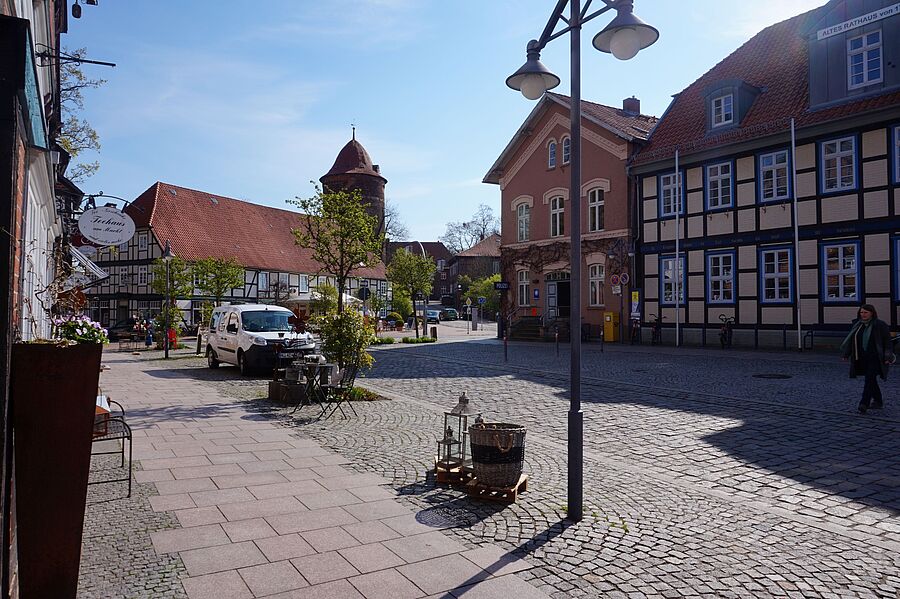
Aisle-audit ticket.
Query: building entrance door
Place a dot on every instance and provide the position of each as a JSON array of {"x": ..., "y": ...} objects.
[{"x": 563, "y": 298}]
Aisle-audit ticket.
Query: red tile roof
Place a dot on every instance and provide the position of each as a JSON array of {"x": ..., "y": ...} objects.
[
  {"x": 776, "y": 60},
  {"x": 628, "y": 126},
  {"x": 435, "y": 249},
  {"x": 622, "y": 123},
  {"x": 199, "y": 225},
  {"x": 489, "y": 246}
]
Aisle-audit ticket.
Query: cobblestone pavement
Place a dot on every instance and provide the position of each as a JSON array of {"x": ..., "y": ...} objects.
[{"x": 700, "y": 479}]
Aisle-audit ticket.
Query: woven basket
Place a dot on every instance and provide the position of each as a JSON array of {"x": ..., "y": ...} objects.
[{"x": 498, "y": 452}]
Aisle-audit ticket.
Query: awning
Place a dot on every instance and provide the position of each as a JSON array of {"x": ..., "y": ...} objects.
[{"x": 86, "y": 273}]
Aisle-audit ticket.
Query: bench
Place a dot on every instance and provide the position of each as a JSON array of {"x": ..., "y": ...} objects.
[{"x": 809, "y": 338}]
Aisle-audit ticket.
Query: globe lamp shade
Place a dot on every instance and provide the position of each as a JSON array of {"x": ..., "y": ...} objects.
[
  {"x": 626, "y": 35},
  {"x": 533, "y": 78}
]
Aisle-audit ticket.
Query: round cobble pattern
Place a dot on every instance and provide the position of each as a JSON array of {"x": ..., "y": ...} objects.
[{"x": 696, "y": 483}]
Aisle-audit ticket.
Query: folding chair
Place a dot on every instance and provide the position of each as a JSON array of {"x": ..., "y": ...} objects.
[{"x": 338, "y": 392}]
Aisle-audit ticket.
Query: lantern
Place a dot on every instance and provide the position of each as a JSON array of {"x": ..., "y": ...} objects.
[{"x": 453, "y": 461}]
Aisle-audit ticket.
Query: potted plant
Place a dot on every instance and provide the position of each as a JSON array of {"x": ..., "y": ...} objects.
[{"x": 53, "y": 388}]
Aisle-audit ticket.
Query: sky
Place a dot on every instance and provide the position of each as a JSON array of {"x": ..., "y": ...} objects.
[{"x": 254, "y": 100}]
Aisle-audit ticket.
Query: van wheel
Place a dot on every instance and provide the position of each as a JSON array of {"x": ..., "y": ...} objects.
[
  {"x": 242, "y": 364},
  {"x": 211, "y": 358}
]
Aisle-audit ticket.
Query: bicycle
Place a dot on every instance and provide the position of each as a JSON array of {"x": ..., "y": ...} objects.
[
  {"x": 635, "y": 331},
  {"x": 726, "y": 332},
  {"x": 656, "y": 329}
]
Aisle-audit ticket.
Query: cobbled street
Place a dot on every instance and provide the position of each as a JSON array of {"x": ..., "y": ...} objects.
[{"x": 707, "y": 473}]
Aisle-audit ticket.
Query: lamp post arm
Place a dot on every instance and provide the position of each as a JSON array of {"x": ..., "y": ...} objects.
[{"x": 558, "y": 15}]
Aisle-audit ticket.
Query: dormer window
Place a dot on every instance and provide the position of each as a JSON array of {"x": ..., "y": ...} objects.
[
  {"x": 723, "y": 110},
  {"x": 864, "y": 60}
]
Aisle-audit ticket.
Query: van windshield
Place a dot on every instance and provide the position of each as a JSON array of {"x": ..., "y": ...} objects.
[{"x": 265, "y": 321}]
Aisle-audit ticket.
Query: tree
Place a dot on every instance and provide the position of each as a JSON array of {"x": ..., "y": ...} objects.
[
  {"x": 217, "y": 276},
  {"x": 324, "y": 300},
  {"x": 401, "y": 304},
  {"x": 460, "y": 236},
  {"x": 412, "y": 273},
  {"x": 180, "y": 284},
  {"x": 76, "y": 134},
  {"x": 394, "y": 228},
  {"x": 484, "y": 288},
  {"x": 342, "y": 236}
]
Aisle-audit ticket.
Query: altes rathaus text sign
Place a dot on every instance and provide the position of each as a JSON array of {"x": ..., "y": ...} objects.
[{"x": 888, "y": 11}]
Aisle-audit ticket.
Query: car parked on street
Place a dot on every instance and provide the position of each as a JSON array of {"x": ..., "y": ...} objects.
[
  {"x": 449, "y": 314},
  {"x": 432, "y": 316}
]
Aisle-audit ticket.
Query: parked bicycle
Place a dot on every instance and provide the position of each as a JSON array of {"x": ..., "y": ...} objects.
[
  {"x": 635, "y": 331},
  {"x": 726, "y": 332},
  {"x": 656, "y": 329}
]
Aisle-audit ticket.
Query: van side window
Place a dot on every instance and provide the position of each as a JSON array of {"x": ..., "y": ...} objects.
[
  {"x": 215, "y": 320},
  {"x": 232, "y": 323}
]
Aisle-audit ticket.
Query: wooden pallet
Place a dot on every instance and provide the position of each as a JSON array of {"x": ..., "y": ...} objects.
[
  {"x": 453, "y": 476},
  {"x": 502, "y": 495}
]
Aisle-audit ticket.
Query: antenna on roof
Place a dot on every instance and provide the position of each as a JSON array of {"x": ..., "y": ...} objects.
[{"x": 353, "y": 128}]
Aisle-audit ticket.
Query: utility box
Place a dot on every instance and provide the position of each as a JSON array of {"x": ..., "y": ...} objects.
[
  {"x": 434, "y": 332},
  {"x": 611, "y": 326}
]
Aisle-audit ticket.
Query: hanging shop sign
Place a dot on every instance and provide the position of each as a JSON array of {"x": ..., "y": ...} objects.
[{"x": 106, "y": 225}]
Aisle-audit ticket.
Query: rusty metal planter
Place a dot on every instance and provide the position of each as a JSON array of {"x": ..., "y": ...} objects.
[{"x": 53, "y": 391}]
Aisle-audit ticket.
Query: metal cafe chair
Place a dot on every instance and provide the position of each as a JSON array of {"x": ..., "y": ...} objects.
[
  {"x": 338, "y": 392},
  {"x": 112, "y": 427}
]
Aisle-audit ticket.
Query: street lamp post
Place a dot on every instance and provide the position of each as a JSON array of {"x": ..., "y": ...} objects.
[
  {"x": 167, "y": 258},
  {"x": 623, "y": 38}
]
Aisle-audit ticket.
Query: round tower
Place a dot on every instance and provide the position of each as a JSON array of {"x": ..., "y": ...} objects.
[{"x": 353, "y": 169}]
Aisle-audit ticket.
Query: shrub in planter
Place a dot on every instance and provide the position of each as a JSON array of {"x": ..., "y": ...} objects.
[
  {"x": 418, "y": 340},
  {"x": 345, "y": 337},
  {"x": 394, "y": 316},
  {"x": 384, "y": 340}
]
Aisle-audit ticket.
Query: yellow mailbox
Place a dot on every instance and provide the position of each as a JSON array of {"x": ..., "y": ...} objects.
[{"x": 610, "y": 326}]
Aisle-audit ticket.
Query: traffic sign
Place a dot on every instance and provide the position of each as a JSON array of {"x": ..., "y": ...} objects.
[
  {"x": 501, "y": 286},
  {"x": 364, "y": 293},
  {"x": 624, "y": 278},
  {"x": 482, "y": 299},
  {"x": 468, "y": 301},
  {"x": 614, "y": 280},
  {"x": 617, "y": 289}
]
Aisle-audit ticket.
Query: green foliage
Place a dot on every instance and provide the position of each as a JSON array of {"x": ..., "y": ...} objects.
[
  {"x": 79, "y": 329},
  {"x": 206, "y": 310},
  {"x": 418, "y": 340},
  {"x": 345, "y": 337},
  {"x": 217, "y": 277},
  {"x": 181, "y": 278},
  {"x": 342, "y": 236},
  {"x": 324, "y": 300},
  {"x": 175, "y": 317},
  {"x": 484, "y": 288},
  {"x": 394, "y": 316},
  {"x": 401, "y": 304},
  {"x": 384, "y": 341},
  {"x": 412, "y": 273}
]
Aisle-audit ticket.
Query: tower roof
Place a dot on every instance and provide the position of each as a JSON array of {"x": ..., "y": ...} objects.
[{"x": 353, "y": 159}]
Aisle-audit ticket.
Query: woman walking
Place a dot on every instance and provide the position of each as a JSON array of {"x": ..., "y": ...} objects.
[{"x": 868, "y": 347}]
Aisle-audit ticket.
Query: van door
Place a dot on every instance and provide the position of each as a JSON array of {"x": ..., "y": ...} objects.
[{"x": 228, "y": 340}]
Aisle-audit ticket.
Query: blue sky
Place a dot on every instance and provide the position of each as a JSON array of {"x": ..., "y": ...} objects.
[{"x": 253, "y": 100}]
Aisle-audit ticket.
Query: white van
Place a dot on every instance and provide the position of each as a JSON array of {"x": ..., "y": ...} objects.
[{"x": 246, "y": 335}]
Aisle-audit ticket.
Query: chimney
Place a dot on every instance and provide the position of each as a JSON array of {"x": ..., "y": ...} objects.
[{"x": 631, "y": 106}]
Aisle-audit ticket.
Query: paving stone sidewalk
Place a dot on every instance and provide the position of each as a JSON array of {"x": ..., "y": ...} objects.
[{"x": 229, "y": 505}]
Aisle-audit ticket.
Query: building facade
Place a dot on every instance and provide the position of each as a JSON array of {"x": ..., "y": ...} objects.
[
  {"x": 201, "y": 225},
  {"x": 770, "y": 231},
  {"x": 534, "y": 178}
]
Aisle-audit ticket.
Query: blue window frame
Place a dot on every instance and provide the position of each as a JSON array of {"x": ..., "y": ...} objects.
[
  {"x": 720, "y": 269},
  {"x": 719, "y": 185},
  {"x": 670, "y": 193},
  {"x": 776, "y": 275},
  {"x": 840, "y": 276},
  {"x": 838, "y": 165},
  {"x": 667, "y": 278},
  {"x": 774, "y": 176}
]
